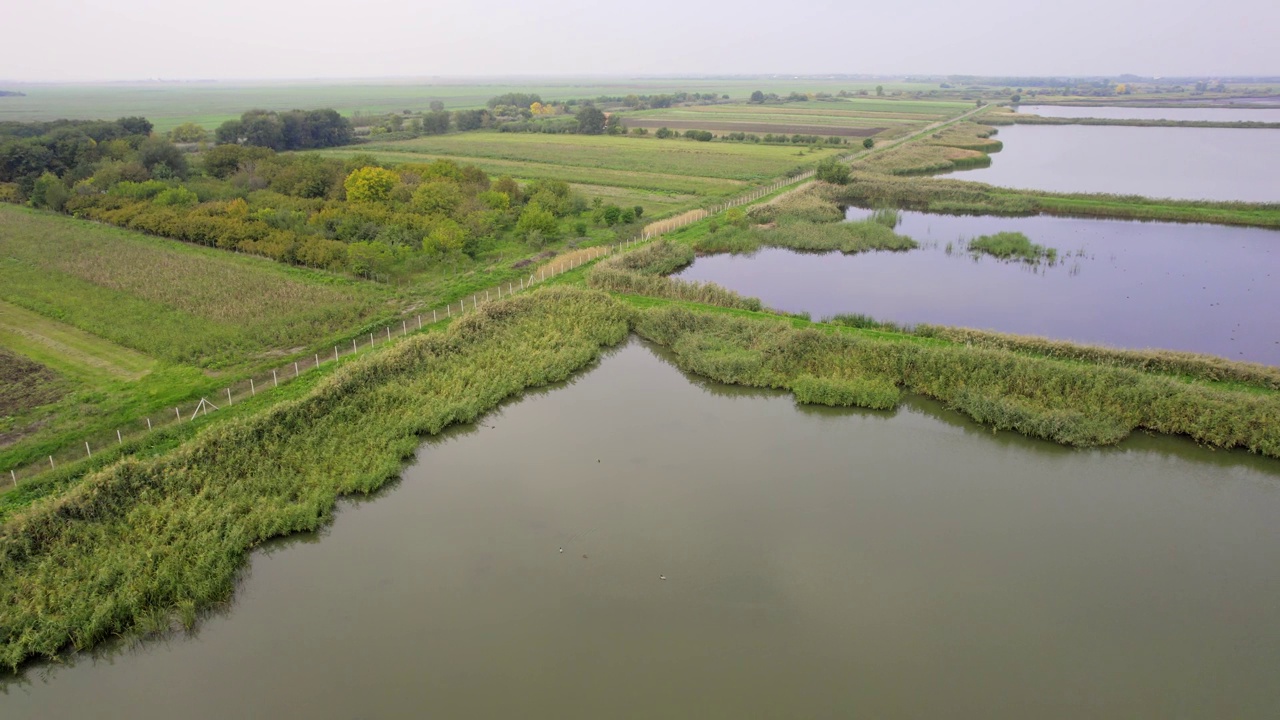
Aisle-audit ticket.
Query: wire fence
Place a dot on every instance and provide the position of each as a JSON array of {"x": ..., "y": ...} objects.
[{"x": 268, "y": 381}]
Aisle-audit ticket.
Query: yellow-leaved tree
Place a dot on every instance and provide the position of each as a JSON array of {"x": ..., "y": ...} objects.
[{"x": 370, "y": 185}]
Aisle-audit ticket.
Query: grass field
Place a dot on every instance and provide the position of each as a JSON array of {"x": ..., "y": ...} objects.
[
  {"x": 578, "y": 175},
  {"x": 732, "y": 161},
  {"x": 172, "y": 301}
]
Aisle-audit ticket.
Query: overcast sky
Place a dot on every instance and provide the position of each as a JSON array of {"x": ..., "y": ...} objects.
[{"x": 270, "y": 39}]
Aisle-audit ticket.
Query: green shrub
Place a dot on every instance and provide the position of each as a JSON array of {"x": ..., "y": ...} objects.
[{"x": 874, "y": 393}]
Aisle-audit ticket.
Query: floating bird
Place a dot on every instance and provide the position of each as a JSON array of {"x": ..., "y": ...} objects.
[
  {"x": 662, "y": 577},
  {"x": 561, "y": 549}
]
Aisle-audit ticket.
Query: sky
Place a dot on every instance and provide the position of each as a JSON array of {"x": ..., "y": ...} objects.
[{"x": 79, "y": 40}]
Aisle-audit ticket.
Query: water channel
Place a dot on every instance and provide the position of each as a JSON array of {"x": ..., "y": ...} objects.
[
  {"x": 1201, "y": 288},
  {"x": 817, "y": 563},
  {"x": 1158, "y": 162}
]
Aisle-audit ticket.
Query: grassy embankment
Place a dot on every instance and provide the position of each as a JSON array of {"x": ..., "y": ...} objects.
[
  {"x": 967, "y": 197},
  {"x": 954, "y": 147},
  {"x": 140, "y": 542},
  {"x": 806, "y": 222}
]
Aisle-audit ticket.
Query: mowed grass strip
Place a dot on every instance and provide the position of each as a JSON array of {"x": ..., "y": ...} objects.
[
  {"x": 524, "y": 170},
  {"x": 70, "y": 351},
  {"x": 170, "y": 300},
  {"x": 734, "y": 161}
]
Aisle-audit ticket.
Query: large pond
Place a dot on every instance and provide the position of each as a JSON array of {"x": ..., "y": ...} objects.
[
  {"x": 1202, "y": 288},
  {"x": 1175, "y": 162},
  {"x": 1215, "y": 114},
  {"x": 818, "y": 563}
]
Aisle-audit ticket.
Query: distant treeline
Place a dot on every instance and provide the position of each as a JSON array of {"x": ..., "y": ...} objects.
[
  {"x": 11, "y": 93},
  {"x": 292, "y": 130}
]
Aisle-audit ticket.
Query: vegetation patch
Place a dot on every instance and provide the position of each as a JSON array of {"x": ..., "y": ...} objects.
[
  {"x": 1013, "y": 246},
  {"x": 866, "y": 392}
]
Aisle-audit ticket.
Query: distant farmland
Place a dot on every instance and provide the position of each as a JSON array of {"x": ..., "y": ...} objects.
[
  {"x": 721, "y": 126},
  {"x": 841, "y": 118}
]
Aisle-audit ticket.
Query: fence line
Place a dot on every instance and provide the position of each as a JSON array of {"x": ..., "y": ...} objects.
[{"x": 247, "y": 388}]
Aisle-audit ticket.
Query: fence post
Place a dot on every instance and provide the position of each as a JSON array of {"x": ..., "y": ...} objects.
[
  {"x": 119, "y": 440},
  {"x": 404, "y": 327},
  {"x": 275, "y": 379},
  {"x": 252, "y": 391},
  {"x": 419, "y": 322},
  {"x": 317, "y": 363},
  {"x": 335, "y": 353},
  {"x": 148, "y": 424},
  {"x": 295, "y": 369},
  {"x": 370, "y": 341},
  {"x": 178, "y": 412},
  {"x": 228, "y": 397},
  {"x": 433, "y": 316},
  {"x": 14, "y": 477},
  {"x": 51, "y": 465},
  {"x": 388, "y": 333},
  {"x": 86, "y": 449}
]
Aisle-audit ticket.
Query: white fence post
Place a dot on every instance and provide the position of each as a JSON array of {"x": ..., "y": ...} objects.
[
  {"x": 253, "y": 390},
  {"x": 148, "y": 424},
  {"x": 119, "y": 440},
  {"x": 228, "y": 397},
  {"x": 86, "y": 449},
  {"x": 295, "y": 369},
  {"x": 275, "y": 379}
]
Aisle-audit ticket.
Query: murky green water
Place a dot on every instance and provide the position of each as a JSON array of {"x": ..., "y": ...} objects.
[{"x": 818, "y": 563}]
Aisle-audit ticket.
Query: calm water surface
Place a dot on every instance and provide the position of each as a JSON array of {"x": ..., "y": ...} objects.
[
  {"x": 819, "y": 564},
  {"x": 1216, "y": 114},
  {"x": 1186, "y": 163},
  {"x": 1203, "y": 288}
]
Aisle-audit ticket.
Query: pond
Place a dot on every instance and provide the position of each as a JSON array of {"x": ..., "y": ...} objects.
[
  {"x": 1173, "y": 162},
  {"x": 1214, "y": 114},
  {"x": 1202, "y": 288},
  {"x": 818, "y": 563}
]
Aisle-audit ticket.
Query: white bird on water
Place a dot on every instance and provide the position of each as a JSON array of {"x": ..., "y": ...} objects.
[
  {"x": 662, "y": 577},
  {"x": 561, "y": 549}
]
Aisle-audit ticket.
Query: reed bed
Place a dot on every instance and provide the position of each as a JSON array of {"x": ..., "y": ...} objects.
[
  {"x": 1191, "y": 365},
  {"x": 1073, "y": 403},
  {"x": 1011, "y": 246},
  {"x": 144, "y": 541}
]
